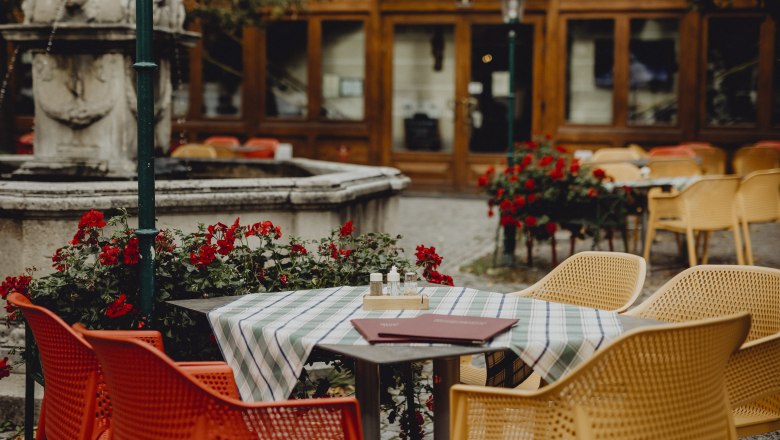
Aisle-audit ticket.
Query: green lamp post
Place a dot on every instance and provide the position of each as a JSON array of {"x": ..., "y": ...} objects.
[
  {"x": 146, "y": 232},
  {"x": 511, "y": 10}
]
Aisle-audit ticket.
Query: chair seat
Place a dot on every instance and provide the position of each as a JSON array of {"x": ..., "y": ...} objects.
[{"x": 755, "y": 422}]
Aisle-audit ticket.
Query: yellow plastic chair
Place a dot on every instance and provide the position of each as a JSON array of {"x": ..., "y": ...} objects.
[
  {"x": 758, "y": 201},
  {"x": 620, "y": 171},
  {"x": 754, "y": 158},
  {"x": 717, "y": 290},
  {"x": 600, "y": 280},
  {"x": 671, "y": 166},
  {"x": 713, "y": 159},
  {"x": 705, "y": 206},
  {"x": 656, "y": 382},
  {"x": 195, "y": 150},
  {"x": 638, "y": 150},
  {"x": 615, "y": 155}
]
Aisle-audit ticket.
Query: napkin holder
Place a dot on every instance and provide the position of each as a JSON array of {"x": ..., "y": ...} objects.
[{"x": 400, "y": 302}]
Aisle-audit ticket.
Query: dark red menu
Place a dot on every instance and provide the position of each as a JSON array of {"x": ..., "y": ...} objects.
[{"x": 433, "y": 328}]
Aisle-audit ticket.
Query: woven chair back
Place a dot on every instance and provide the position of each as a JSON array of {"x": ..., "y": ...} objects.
[
  {"x": 715, "y": 290},
  {"x": 195, "y": 150},
  {"x": 673, "y": 167},
  {"x": 601, "y": 280},
  {"x": 654, "y": 382},
  {"x": 620, "y": 171},
  {"x": 758, "y": 196},
  {"x": 152, "y": 397},
  {"x": 70, "y": 370},
  {"x": 754, "y": 158},
  {"x": 615, "y": 155}
]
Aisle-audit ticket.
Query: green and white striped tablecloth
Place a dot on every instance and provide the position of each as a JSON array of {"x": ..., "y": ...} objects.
[{"x": 267, "y": 337}]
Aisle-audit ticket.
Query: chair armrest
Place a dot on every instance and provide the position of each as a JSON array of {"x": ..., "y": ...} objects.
[
  {"x": 217, "y": 376},
  {"x": 528, "y": 292},
  {"x": 152, "y": 337}
]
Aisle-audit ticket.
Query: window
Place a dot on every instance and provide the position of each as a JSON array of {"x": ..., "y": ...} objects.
[
  {"x": 223, "y": 72},
  {"x": 732, "y": 70},
  {"x": 654, "y": 48},
  {"x": 287, "y": 70},
  {"x": 589, "y": 77},
  {"x": 180, "y": 81},
  {"x": 343, "y": 69},
  {"x": 24, "y": 100}
]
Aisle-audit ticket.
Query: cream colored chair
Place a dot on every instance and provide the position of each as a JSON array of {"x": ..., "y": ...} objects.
[
  {"x": 657, "y": 382},
  {"x": 758, "y": 201},
  {"x": 704, "y": 206},
  {"x": 713, "y": 159},
  {"x": 755, "y": 157},
  {"x": 620, "y": 171},
  {"x": 670, "y": 166},
  {"x": 599, "y": 280},
  {"x": 707, "y": 291},
  {"x": 614, "y": 155},
  {"x": 194, "y": 150},
  {"x": 638, "y": 150}
]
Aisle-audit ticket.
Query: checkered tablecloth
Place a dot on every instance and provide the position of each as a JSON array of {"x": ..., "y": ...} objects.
[{"x": 267, "y": 337}]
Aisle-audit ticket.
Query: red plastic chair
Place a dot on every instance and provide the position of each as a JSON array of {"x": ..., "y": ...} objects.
[
  {"x": 261, "y": 148},
  {"x": 153, "y": 398},
  {"x": 676, "y": 151},
  {"x": 76, "y": 403}
]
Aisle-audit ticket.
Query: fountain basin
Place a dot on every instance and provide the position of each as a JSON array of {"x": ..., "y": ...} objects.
[{"x": 38, "y": 217}]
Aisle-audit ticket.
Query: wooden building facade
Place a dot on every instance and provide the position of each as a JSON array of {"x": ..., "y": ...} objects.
[{"x": 422, "y": 85}]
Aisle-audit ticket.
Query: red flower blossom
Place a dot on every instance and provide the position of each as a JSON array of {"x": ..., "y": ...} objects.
[
  {"x": 427, "y": 257},
  {"x": 527, "y": 159},
  {"x": 491, "y": 169},
  {"x": 519, "y": 202},
  {"x": 560, "y": 148},
  {"x": 506, "y": 205},
  {"x": 513, "y": 178},
  {"x": 556, "y": 174},
  {"x": 599, "y": 173},
  {"x": 5, "y": 368},
  {"x": 163, "y": 242},
  {"x": 530, "y": 221},
  {"x": 19, "y": 283},
  {"x": 490, "y": 212},
  {"x": 205, "y": 255},
  {"x": 109, "y": 256},
  {"x": 531, "y": 198},
  {"x": 507, "y": 220},
  {"x": 297, "y": 249},
  {"x": 499, "y": 193},
  {"x": 263, "y": 229},
  {"x": 429, "y": 402},
  {"x": 593, "y": 192},
  {"x": 347, "y": 229},
  {"x": 482, "y": 181},
  {"x": 530, "y": 184},
  {"x": 59, "y": 257},
  {"x": 546, "y": 160},
  {"x": 86, "y": 233},
  {"x": 284, "y": 280},
  {"x": 131, "y": 254},
  {"x": 551, "y": 228},
  {"x": 574, "y": 168},
  {"x": 119, "y": 308}
]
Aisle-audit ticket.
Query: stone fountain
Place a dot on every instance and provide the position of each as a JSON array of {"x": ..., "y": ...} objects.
[{"x": 85, "y": 145}]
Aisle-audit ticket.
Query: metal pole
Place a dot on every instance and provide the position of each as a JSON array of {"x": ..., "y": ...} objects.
[
  {"x": 146, "y": 232},
  {"x": 510, "y": 111}
]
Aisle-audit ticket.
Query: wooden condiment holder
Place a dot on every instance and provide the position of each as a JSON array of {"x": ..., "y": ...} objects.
[{"x": 400, "y": 302}]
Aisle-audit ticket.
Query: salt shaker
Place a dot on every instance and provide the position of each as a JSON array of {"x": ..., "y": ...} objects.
[
  {"x": 393, "y": 282},
  {"x": 410, "y": 283},
  {"x": 375, "y": 284}
]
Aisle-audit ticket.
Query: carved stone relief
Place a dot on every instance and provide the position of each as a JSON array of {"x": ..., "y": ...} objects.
[{"x": 166, "y": 13}]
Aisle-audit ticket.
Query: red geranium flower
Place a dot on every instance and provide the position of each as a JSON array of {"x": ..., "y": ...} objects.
[
  {"x": 593, "y": 192},
  {"x": 5, "y": 368},
  {"x": 507, "y": 220},
  {"x": 574, "y": 168},
  {"x": 297, "y": 249},
  {"x": 90, "y": 221},
  {"x": 599, "y": 173},
  {"x": 546, "y": 160},
  {"x": 519, "y": 202},
  {"x": 203, "y": 257},
  {"x": 109, "y": 255},
  {"x": 347, "y": 229},
  {"x": 551, "y": 228},
  {"x": 530, "y": 184},
  {"x": 119, "y": 307},
  {"x": 530, "y": 221},
  {"x": 482, "y": 181},
  {"x": 131, "y": 254},
  {"x": 59, "y": 257}
]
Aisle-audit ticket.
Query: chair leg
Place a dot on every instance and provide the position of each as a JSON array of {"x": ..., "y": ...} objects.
[
  {"x": 748, "y": 246},
  {"x": 737, "y": 242},
  {"x": 648, "y": 240},
  {"x": 705, "y": 254},
  {"x": 691, "y": 247}
]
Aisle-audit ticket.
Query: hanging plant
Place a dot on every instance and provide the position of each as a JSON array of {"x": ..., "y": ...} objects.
[{"x": 232, "y": 15}]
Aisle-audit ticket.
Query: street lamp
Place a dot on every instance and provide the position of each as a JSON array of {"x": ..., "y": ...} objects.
[{"x": 511, "y": 10}]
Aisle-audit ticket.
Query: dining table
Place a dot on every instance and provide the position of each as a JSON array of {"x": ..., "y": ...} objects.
[{"x": 267, "y": 338}]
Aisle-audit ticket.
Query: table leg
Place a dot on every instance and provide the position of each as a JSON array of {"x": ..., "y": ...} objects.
[
  {"x": 446, "y": 373},
  {"x": 367, "y": 394}
]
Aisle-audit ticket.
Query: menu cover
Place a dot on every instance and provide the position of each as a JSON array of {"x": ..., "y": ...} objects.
[
  {"x": 433, "y": 328},
  {"x": 370, "y": 328}
]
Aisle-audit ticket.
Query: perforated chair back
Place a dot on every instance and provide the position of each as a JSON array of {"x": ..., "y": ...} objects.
[
  {"x": 716, "y": 290},
  {"x": 755, "y": 158},
  {"x": 601, "y": 280},
  {"x": 620, "y": 171},
  {"x": 673, "y": 167},
  {"x": 70, "y": 370},
  {"x": 713, "y": 159},
  {"x": 638, "y": 150},
  {"x": 758, "y": 201},
  {"x": 154, "y": 398},
  {"x": 195, "y": 150},
  {"x": 653, "y": 382},
  {"x": 615, "y": 155}
]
